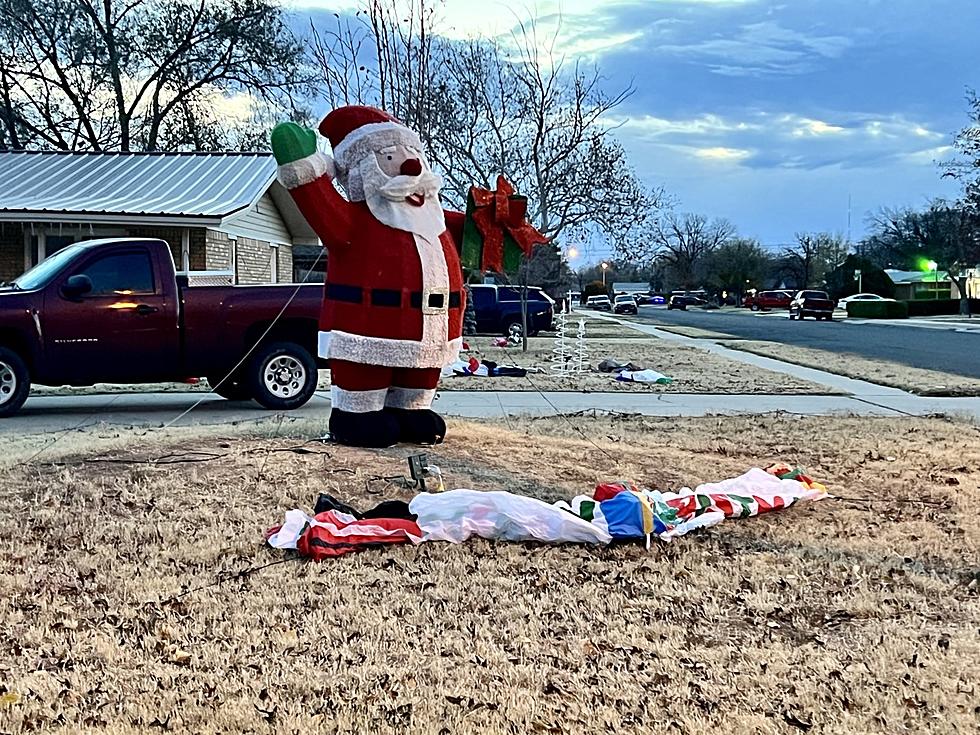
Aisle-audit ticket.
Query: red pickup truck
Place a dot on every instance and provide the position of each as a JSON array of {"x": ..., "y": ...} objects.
[
  {"x": 765, "y": 300},
  {"x": 113, "y": 311}
]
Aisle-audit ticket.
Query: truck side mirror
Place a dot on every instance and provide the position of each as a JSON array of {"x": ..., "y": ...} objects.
[{"x": 77, "y": 286}]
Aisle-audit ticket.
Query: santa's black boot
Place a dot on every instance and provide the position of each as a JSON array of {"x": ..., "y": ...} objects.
[
  {"x": 371, "y": 429},
  {"x": 418, "y": 426}
]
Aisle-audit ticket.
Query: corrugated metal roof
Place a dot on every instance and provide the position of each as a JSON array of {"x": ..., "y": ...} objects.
[
  {"x": 175, "y": 184},
  {"x": 898, "y": 276}
]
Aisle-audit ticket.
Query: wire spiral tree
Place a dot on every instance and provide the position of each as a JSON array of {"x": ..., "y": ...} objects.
[
  {"x": 561, "y": 353},
  {"x": 580, "y": 360}
]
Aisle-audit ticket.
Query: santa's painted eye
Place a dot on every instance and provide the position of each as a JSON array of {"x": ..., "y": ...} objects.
[{"x": 389, "y": 158}]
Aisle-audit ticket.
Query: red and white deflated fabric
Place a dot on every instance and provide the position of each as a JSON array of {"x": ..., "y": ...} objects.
[{"x": 333, "y": 533}]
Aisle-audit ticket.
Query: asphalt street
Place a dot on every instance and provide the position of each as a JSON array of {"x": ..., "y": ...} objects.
[{"x": 946, "y": 349}]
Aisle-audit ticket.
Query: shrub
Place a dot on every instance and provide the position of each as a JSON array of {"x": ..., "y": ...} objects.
[
  {"x": 878, "y": 309},
  {"x": 937, "y": 307}
]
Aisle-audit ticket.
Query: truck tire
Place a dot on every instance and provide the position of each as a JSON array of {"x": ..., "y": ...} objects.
[
  {"x": 282, "y": 376},
  {"x": 234, "y": 387},
  {"x": 15, "y": 382},
  {"x": 754, "y": 307}
]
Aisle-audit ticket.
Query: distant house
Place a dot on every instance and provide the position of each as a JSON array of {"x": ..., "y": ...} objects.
[
  {"x": 912, "y": 285},
  {"x": 630, "y": 287},
  {"x": 220, "y": 212}
]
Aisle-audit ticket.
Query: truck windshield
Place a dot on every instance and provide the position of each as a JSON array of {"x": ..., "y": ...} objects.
[{"x": 43, "y": 272}]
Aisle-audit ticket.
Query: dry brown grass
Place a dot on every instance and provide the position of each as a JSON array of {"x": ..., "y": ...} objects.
[
  {"x": 883, "y": 372},
  {"x": 853, "y": 616},
  {"x": 693, "y": 370}
]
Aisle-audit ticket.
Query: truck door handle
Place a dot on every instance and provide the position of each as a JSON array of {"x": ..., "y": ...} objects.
[{"x": 144, "y": 309}]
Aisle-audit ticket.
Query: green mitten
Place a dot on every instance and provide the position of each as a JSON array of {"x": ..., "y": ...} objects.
[{"x": 291, "y": 142}]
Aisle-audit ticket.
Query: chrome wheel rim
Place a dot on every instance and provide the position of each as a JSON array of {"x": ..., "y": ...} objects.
[
  {"x": 284, "y": 376},
  {"x": 8, "y": 383}
]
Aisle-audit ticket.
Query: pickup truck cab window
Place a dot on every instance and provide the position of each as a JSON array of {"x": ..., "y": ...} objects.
[
  {"x": 482, "y": 296},
  {"x": 120, "y": 273}
]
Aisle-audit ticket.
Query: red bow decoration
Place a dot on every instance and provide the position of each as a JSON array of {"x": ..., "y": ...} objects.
[{"x": 499, "y": 213}]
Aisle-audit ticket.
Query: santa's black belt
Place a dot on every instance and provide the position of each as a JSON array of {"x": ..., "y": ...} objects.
[{"x": 389, "y": 297}]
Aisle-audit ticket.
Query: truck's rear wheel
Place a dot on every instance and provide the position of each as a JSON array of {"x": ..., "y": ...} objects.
[
  {"x": 15, "y": 382},
  {"x": 282, "y": 376},
  {"x": 233, "y": 388}
]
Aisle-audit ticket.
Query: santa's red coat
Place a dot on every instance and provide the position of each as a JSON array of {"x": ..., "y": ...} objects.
[{"x": 391, "y": 297}]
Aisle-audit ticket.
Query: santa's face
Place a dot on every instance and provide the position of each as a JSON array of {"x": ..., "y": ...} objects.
[{"x": 401, "y": 190}]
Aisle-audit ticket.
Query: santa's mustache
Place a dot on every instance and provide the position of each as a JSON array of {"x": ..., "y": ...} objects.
[{"x": 396, "y": 188}]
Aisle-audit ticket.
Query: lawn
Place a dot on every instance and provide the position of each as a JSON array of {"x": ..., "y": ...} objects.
[{"x": 855, "y": 615}]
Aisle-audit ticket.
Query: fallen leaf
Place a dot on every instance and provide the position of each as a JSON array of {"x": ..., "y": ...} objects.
[
  {"x": 9, "y": 699},
  {"x": 180, "y": 657}
]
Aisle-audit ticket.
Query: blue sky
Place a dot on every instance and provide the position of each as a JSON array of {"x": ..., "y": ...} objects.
[{"x": 771, "y": 114}]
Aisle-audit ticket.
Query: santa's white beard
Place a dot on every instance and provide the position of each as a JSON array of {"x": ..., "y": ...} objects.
[{"x": 386, "y": 198}]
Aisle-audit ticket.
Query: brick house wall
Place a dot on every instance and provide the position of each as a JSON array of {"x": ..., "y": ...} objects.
[
  {"x": 285, "y": 264},
  {"x": 219, "y": 249},
  {"x": 172, "y": 235},
  {"x": 11, "y": 250}
]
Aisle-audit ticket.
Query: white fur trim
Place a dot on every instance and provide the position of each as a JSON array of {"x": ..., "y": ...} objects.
[
  {"x": 407, "y": 353},
  {"x": 372, "y": 137},
  {"x": 410, "y": 398},
  {"x": 357, "y": 401},
  {"x": 306, "y": 170}
]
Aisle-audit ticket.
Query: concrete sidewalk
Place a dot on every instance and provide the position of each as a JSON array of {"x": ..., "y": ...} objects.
[{"x": 153, "y": 410}]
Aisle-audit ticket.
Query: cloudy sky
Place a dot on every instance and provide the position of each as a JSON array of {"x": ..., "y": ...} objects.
[{"x": 771, "y": 114}]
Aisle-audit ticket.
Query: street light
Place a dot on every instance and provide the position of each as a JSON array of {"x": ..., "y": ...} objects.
[
  {"x": 605, "y": 265},
  {"x": 931, "y": 265}
]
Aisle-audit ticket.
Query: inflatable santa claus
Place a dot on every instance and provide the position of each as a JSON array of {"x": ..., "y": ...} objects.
[{"x": 393, "y": 298}]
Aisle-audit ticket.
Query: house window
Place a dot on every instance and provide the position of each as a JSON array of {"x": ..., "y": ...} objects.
[
  {"x": 46, "y": 242},
  {"x": 274, "y": 264}
]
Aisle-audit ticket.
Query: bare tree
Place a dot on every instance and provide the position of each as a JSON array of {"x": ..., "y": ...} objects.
[
  {"x": 682, "y": 244},
  {"x": 813, "y": 257},
  {"x": 483, "y": 109},
  {"x": 142, "y": 74},
  {"x": 966, "y": 167}
]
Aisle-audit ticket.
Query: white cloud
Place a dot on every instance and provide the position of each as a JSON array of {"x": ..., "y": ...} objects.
[
  {"x": 764, "y": 48},
  {"x": 721, "y": 153}
]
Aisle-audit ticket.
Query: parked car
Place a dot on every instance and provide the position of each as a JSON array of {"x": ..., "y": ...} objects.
[
  {"x": 682, "y": 302},
  {"x": 113, "y": 311},
  {"x": 842, "y": 304},
  {"x": 811, "y": 303},
  {"x": 659, "y": 300},
  {"x": 600, "y": 303},
  {"x": 625, "y": 304},
  {"x": 766, "y": 300},
  {"x": 498, "y": 310}
]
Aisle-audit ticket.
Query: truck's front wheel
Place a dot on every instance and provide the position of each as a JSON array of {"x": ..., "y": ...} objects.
[
  {"x": 282, "y": 376},
  {"x": 15, "y": 382}
]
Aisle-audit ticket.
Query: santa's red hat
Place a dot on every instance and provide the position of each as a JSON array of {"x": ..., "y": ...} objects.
[{"x": 356, "y": 130}]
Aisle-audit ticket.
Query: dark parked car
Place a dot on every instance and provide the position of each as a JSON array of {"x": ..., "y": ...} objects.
[
  {"x": 811, "y": 303},
  {"x": 624, "y": 304},
  {"x": 765, "y": 300},
  {"x": 112, "y": 311},
  {"x": 682, "y": 302},
  {"x": 498, "y": 309}
]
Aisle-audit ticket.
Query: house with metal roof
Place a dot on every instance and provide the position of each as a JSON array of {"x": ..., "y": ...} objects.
[
  {"x": 224, "y": 214},
  {"x": 911, "y": 285}
]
